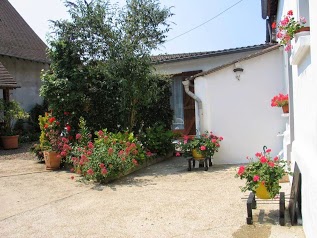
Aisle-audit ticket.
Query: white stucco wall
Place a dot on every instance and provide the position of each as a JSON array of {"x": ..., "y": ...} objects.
[
  {"x": 27, "y": 74},
  {"x": 198, "y": 64},
  {"x": 241, "y": 111},
  {"x": 304, "y": 146}
]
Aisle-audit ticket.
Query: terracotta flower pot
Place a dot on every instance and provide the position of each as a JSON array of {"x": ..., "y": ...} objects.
[
  {"x": 285, "y": 108},
  {"x": 10, "y": 142},
  {"x": 52, "y": 160}
]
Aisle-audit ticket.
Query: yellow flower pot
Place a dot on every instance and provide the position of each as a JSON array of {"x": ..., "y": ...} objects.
[
  {"x": 198, "y": 154},
  {"x": 261, "y": 192}
]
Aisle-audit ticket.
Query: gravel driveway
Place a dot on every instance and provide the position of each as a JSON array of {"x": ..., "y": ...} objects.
[{"x": 163, "y": 200}]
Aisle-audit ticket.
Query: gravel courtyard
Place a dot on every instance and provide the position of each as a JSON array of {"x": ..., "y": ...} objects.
[{"x": 163, "y": 200}]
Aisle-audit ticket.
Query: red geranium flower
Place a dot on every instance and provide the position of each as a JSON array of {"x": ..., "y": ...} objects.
[{"x": 51, "y": 120}]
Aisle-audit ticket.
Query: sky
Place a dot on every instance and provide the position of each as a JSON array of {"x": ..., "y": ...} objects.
[{"x": 241, "y": 25}]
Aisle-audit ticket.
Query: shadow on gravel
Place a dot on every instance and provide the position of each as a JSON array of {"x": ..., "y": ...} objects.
[{"x": 172, "y": 166}]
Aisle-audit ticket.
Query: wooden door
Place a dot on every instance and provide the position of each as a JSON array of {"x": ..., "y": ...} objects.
[{"x": 189, "y": 105}]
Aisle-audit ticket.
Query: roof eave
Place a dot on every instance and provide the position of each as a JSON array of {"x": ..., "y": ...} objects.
[{"x": 267, "y": 50}]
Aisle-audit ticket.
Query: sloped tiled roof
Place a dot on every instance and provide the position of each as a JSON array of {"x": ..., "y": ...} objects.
[
  {"x": 253, "y": 55},
  {"x": 6, "y": 80},
  {"x": 168, "y": 58},
  {"x": 17, "y": 39}
]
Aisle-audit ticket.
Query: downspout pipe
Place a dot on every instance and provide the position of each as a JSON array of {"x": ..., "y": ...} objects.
[{"x": 186, "y": 84}]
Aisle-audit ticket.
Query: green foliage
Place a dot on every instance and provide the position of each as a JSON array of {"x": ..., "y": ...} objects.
[
  {"x": 29, "y": 130},
  {"x": 43, "y": 120},
  {"x": 157, "y": 139},
  {"x": 9, "y": 112},
  {"x": 100, "y": 63}
]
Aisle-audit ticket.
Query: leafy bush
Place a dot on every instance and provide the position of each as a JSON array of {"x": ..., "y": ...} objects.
[
  {"x": 101, "y": 67},
  {"x": 157, "y": 139}
]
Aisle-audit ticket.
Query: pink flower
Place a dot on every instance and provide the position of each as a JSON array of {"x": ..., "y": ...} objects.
[
  {"x": 279, "y": 35},
  {"x": 220, "y": 138},
  {"x": 213, "y": 140},
  {"x": 268, "y": 150},
  {"x": 72, "y": 170},
  {"x": 104, "y": 171},
  {"x": 271, "y": 164},
  {"x": 102, "y": 165},
  {"x": 241, "y": 170},
  {"x": 202, "y": 148},
  {"x": 90, "y": 145},
  {"x": 258, "y": 154},
  {"x": 149, "y": 153},
  {"x": 290, "y": 13},
  {"x": 89, "y": 153},
  {"x": 275, "y": 158},
  {"x": 263, "y": 159},
  {"x": 288, "y": 47},
  {"x": 63, "y": 153},
  {"x": 78, "y": 136},
  {"x": 186, "y": 137},
  {"x": 121, "y": 152},
  {"x": 67, "y": 127},
  {"x": 178, "y": 154},
  {"x": 110, "y": 151},
  {"x": 185, "y": 141},
  {"x": 302, "y": 20},
  {"x": 90, "y": 171},
  {"x": 256, "y": 178},
  {"x": 100, "y": 133},
  {"x": 134, "y": 162}
]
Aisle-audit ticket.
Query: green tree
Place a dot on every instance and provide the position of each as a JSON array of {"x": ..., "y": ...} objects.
[{"x": 100, "y": 62}]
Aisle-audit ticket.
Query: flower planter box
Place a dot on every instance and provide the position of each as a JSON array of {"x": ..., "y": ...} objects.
[{"x": 148, "y": 162}]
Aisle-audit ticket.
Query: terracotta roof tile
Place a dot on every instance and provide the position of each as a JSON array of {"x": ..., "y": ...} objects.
[
  {"x": 17, "y": 39},
  {"x": 168, "y": 58},
  {"x": 6, "y": 80}
]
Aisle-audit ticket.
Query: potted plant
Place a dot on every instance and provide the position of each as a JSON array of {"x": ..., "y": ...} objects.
[
  {"x": 280, "y": 100},
  {"x": 200, "y": 147},
  {"x": 51, "y": 141},
  {"x": 288, "y": 27},
  {"x": 263, "y": 174},
  {"x": 10, "y": 111}
]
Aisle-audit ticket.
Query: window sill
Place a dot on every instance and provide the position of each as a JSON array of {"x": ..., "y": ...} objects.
[{"x": 300, "y": 49}]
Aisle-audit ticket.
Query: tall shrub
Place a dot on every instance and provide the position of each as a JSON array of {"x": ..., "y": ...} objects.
[{"x": 100, "y": 62}]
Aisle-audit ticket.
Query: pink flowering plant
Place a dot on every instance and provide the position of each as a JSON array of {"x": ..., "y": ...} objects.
[
  {"x": 287, "y": 29},
  {"x": 264, "y": 169},
  {"x": 106, "y": 157},
  {"x": 279, "y": 100},
  {"x": 207, "y": 144}
]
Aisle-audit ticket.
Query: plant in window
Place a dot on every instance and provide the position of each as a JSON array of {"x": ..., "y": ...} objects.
[{"x": 287, "y": 29}]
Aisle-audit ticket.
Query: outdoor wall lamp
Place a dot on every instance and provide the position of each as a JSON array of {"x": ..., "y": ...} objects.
[{"x": 238, "y": 70}]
